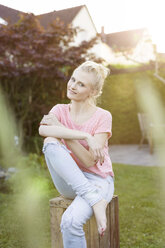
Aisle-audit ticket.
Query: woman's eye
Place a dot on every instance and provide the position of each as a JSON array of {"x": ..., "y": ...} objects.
[
  {"x": 72, "y": 79},
  {"x": 81, "y": 84}
]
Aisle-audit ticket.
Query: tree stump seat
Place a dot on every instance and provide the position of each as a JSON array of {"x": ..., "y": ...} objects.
[{"x": 111, "y": 237}]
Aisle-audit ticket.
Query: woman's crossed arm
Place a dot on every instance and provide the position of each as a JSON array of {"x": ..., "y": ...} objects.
[{"x": 51, "y": 127}]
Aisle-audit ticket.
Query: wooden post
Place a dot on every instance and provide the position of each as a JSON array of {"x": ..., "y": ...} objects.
[{"x": 111, "y": 237}]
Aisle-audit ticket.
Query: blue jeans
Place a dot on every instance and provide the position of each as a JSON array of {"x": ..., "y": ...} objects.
[{"x": 85, "y": 188}]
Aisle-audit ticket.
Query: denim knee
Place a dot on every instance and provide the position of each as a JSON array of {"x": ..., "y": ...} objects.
[
  {"x": 49, "y": 145},
  {"x": 69, "y": 223}
]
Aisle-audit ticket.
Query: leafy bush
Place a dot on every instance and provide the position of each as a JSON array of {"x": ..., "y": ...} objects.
[{"x": 121, "y": 99}]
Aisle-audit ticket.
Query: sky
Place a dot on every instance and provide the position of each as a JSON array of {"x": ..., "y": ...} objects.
[{"x": 114, "y": 15}]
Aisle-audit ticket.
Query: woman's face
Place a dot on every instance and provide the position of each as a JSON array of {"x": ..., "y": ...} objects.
[{"x": 79, "y": 86}]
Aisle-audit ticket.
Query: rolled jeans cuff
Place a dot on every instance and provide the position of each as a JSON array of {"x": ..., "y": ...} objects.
[{"x": 93, "y": 197}]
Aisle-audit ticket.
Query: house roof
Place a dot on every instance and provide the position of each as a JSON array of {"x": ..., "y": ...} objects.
[
  {"x": 9, "y": 14},
  {"x": 125, "y": 39},
  {"x": 66, "y": 15}
]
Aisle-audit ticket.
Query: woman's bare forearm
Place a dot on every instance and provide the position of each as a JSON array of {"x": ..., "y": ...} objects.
[
  {"x": 62, "y": 132},
  {"x": 83, "y": 154}
]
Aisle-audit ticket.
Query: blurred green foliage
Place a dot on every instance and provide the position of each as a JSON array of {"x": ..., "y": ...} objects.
[
  {"x": 25, "y": 189},
  {"x": 24, "y": 208}
]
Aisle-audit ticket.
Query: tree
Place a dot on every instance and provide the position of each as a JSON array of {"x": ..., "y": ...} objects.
[{"x": 35, "y": 65}]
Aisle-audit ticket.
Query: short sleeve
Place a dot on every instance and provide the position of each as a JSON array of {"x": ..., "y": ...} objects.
[
  {"x": 105, "y": 124},
  {"x": 56, "y": 110}
]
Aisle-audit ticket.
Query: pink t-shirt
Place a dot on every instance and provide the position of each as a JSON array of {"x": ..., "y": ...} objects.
[{"x": 100, "y": 121}]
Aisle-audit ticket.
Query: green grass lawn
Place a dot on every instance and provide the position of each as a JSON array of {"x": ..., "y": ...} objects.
[
  {"x": 141, "y": 210},
  {"x": 141, "y": 207}
]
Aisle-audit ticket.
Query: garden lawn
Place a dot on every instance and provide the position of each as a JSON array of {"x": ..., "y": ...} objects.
[
  {"x": 141, "y": 207},
  {"x": 141, "y": 210}
]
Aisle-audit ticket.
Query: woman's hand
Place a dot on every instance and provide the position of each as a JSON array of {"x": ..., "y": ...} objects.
[
  {"x": 96, "y": 149},
  {"x": 49, "y": 119}
]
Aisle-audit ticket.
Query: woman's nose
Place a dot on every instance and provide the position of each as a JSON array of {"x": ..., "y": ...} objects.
[{"x": 73, "y": 85}]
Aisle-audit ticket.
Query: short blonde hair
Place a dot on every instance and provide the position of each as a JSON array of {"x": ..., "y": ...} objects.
[{"x": 100, "y": 73}]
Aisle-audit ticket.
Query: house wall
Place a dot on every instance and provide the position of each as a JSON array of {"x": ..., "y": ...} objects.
[
  {"x": 102, "y": 50},
  {"x": 84, "y": 21},
  {"x": 2, "y": 21},
  {"x": 144, "y": 51}
]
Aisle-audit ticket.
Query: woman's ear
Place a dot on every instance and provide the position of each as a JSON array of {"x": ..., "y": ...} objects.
[{"x": 93, "y": 92}]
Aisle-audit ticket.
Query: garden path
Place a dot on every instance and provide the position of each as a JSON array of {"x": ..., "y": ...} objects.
[{"x": 130, "y": 154}]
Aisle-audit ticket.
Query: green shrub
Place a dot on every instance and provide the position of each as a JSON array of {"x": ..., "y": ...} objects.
[{"x": 120, "y": 98}]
